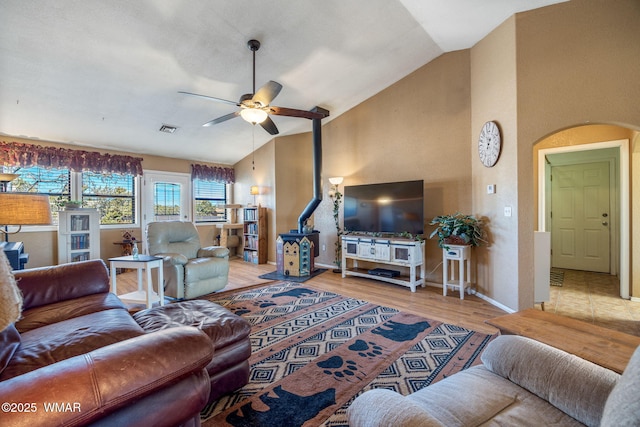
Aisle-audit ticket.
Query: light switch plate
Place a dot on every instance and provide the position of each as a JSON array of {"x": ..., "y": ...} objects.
[{"x": 491, "y": 189}]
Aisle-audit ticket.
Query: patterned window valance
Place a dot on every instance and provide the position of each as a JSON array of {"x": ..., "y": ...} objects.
[
  {"x": 26, "y": 155},
  {"x": 213, "y": 173}
]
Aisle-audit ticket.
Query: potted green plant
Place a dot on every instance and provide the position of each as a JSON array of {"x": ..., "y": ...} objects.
[
  {"x": 72, "y": 204},
  {"x": 458, "y": 229}
]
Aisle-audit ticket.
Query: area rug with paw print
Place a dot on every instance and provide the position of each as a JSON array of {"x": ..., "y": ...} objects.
[{"x": 314, "y": 351}]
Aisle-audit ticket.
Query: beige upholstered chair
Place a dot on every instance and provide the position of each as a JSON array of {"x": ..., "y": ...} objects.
[{"x": 189, "y": 270}]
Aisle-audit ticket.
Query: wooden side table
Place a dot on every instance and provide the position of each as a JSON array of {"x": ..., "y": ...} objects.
[
  {"x": 461, "y": 254},
  {"x": 142, "y": 263}
]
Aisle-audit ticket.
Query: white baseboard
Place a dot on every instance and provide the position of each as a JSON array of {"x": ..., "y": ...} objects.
[
  {"x": 495, "y": 303},
  {"x": 479, "y": 295},
  {"x": 473, "y": 292},
  {"x": 329, "y": 266}
]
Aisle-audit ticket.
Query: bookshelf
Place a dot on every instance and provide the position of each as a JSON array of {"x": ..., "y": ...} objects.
[
  {"x": 254, "y": 234},
  {"x": 78, "y": 235}
]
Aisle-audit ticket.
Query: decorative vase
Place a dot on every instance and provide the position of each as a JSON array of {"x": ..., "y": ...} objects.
[{"x": 134, "y": 251}]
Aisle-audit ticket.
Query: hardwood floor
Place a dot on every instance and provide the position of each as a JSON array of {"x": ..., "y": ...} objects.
[
  {"x": 427, "y": 302},
  {"x": 591, "y": 297}
]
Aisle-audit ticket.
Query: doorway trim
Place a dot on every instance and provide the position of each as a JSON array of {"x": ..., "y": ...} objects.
[
  {"x": 149, "y": 176},
  {"x": 623, "y": 191}
]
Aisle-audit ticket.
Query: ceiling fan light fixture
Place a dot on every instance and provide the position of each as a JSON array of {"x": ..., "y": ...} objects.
[{"x": 253, "y": 115}]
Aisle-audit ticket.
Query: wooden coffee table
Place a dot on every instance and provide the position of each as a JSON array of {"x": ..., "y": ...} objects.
[{"x": 602, "y": 346}]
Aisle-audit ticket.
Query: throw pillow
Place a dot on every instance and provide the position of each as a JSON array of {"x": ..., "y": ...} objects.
[
  {"x": 10, "y": 296},
  {"x": 10, "y": 310}
]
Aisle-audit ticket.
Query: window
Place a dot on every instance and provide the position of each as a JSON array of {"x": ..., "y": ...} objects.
[
  {"x": 112, "y": 194},
  {"x": 54, "y": 182},
  {"x": 210, "y": 197},
  {"x": 167, "y": 201}
]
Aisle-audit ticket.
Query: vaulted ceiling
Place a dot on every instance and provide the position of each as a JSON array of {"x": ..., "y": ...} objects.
[{"x": 106, "y": 74}]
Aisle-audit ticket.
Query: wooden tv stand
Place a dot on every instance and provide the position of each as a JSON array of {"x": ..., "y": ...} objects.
[
  {"x": 384, "y": 250},
  {"x": 602, "y": 346}
]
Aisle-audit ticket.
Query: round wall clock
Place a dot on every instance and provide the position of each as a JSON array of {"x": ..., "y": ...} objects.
[{"x": 489, "y": 144}]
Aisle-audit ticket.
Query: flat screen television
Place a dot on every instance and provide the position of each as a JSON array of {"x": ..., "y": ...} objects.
[{"x": 392, "y": 207}]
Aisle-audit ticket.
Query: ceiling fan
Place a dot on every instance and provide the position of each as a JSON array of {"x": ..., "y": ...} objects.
[{"x": 255, "y": 107}]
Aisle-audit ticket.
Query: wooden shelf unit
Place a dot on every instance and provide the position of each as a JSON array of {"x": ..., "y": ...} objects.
[{"x": 254, "y": 234}]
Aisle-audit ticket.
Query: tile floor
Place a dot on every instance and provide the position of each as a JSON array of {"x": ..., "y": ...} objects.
[{"x": 594, "y": 298}]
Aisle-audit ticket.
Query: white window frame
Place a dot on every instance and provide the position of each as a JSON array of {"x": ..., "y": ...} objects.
[{"x": 75, "y": 179}]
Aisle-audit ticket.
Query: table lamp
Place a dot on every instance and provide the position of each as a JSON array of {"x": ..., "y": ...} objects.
[{"x": 20, "y": 209}]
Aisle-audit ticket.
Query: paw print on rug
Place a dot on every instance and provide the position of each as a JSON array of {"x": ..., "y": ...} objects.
[
  {"x": 239, "y": 311},
  {"x": 340, "y": 369},
  {"x": 264, "y": 303},
  {"x": 366, "y": 349}
]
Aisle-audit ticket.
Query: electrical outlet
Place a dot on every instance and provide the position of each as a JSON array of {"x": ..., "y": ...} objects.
[
  {"x": 507, "y": 211},
  {"x": 324, "y": 247}
]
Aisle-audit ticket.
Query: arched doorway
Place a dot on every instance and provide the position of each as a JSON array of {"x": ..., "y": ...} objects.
[{"x": 581, "y": 145}]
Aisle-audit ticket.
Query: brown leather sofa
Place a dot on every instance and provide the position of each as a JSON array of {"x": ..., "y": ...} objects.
[
  {"x": 77, "y": 357},
  {"x": 229, "y": 368}
]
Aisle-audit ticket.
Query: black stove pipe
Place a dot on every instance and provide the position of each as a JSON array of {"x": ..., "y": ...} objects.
[{"x": 317, "y": 171}]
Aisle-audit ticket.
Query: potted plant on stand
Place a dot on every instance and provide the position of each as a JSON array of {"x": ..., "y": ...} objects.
[
  {"x": 463, "y": 231},
  {"x": 458, "y": 229}
]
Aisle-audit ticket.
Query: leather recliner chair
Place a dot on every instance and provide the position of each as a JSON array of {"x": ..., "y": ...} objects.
[{"x": 189, "y": 270}]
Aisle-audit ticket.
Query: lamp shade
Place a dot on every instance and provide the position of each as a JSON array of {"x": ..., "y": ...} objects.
[
  {"x": 8, "y": 177},
  {"x": 253, "y": 115},
  {"x": 336, "y": 180},
  {"x": 24, "y": 209},
  {"x": 254, "y": 190},
  {"x": 5, "y": 179}
]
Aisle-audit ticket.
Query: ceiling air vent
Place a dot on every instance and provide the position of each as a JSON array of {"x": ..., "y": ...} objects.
[{"x": 168, "y": 128}]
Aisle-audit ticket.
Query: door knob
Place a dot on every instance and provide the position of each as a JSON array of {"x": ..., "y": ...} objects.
[{"x": 605, "y": 223}]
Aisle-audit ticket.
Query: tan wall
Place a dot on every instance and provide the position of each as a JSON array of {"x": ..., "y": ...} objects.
[
  {"x": 575, "y": 65},
  {"x": 493, "y": 98},
  {"x": 417, "y": 128},
  {"x": 42, "y": 246},
  {"x": 635, "y": 216}
]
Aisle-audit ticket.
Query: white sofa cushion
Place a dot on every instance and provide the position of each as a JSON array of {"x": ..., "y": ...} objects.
[
  {"x": 522, "y": 383},
  {"x": 573, "y": 385},
  {"x": 623, "y": 407}
]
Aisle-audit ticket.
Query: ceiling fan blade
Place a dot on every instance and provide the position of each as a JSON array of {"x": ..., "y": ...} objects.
[
  {"x": 267, "y": 93},
  {"x": 222, "y": 119},
  {"x": 269, "y": 126},
  {"x": 211, "y": 98},
  {"x": 292, "y": 112}
]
